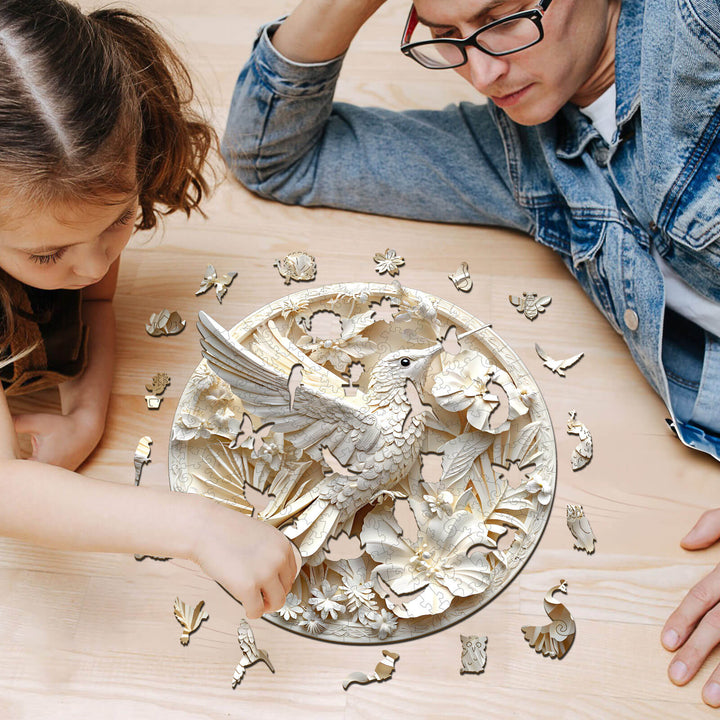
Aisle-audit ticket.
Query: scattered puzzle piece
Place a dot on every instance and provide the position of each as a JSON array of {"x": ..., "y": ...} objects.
[
  {"x": 474, "y": 654},
  {"x": 383, "y": 671},
  {"x": 555, "y": 638},
  {"x": 461, "y": 278},
  {"x": 251, "y": 654},
  {"x": 189, "y": 617},
  {"x": 142, "y": 456},
  {"x": 583, "y": 452},
  {"x": 529, "y": 304},
  {"x": 221, "y": 283},
  {"x": 580, "y": 528}
]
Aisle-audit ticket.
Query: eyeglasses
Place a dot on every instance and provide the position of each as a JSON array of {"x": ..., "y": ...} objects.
[{"x": 505, "y": 36}]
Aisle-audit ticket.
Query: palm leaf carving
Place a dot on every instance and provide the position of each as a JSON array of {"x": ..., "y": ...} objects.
[{"x": 189, "y": 617}]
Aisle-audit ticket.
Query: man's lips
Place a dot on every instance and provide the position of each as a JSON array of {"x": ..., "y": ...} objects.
[{"x": 510, "y": 98}]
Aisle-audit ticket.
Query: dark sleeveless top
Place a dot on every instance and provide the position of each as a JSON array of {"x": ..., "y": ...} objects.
[{"x": 51, "y": 320}]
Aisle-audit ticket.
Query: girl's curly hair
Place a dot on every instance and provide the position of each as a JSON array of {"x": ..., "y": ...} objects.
[{"x": 84, "y": 99}]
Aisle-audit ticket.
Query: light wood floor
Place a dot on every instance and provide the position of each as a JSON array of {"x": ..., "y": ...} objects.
[{"x": 93, "y": 636}]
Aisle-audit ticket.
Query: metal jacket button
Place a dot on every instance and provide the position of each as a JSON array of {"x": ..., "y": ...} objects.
[{"x": 631, "y": 320}]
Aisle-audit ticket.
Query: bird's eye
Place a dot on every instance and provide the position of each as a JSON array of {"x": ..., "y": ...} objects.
[{"x": 405, "y": 362}]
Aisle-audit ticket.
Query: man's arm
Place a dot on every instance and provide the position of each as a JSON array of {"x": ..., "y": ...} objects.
[{"x": 286, "y": 140}]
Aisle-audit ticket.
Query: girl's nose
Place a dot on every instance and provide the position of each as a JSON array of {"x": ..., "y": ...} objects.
[{"x": 93, "y": 266}]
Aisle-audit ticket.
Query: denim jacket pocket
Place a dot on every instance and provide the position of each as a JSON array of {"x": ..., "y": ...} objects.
[
  {"x": 692, "y": 209},
  {"x": 580, "y": 241}
]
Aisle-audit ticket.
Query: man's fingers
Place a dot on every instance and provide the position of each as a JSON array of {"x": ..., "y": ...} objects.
[
  {"x": 701, "y": 598},
  {"x": 697, "y": 647},
  {"x": 705, "y": 532}
]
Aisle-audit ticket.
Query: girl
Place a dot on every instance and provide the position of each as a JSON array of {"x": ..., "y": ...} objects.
[{"x": 96, "y": 140}]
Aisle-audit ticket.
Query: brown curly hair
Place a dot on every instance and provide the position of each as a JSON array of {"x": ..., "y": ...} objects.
[{"x": 82, "y": 97}]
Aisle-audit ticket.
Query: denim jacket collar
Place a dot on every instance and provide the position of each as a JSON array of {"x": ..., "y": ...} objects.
[{"x": 576, "y": 131}]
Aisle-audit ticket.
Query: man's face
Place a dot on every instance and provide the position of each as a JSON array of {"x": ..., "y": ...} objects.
[{"x": 533, "y": 84}]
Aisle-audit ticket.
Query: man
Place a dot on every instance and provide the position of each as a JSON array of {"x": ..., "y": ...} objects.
[{"x": 600, "y": 139}]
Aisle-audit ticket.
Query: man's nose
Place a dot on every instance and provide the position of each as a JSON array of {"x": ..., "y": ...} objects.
[{"x": 485, "y": 70}]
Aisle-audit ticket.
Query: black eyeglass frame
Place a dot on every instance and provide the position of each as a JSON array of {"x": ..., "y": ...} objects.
[{"x": 535, "y": 14}]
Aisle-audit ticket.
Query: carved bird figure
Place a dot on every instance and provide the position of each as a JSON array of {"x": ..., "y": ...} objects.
[
  {"x": 250, "y": 651},
  {"x": 583, "y": 452},
  {"x": 557, "y": 366},
  {"x": 364, "y": 433},
  {"x": 142, "y": 456},
  {"x": 555, "y": 638},
  {"x": 579, "y": 526}
]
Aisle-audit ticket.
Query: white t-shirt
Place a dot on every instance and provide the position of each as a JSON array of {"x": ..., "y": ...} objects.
[{"x": 678, "y": 294}]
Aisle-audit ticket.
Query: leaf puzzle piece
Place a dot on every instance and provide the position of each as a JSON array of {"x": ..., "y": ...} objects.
[
  {"x": 555, "y": 638},
  {"x": 189, "y": 617}
]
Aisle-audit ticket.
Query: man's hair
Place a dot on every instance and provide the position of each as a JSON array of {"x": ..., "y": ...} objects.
[{"x": 84, "y": 100}]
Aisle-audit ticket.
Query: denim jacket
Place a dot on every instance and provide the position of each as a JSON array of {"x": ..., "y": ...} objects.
[{"x": 602, "y": 208}]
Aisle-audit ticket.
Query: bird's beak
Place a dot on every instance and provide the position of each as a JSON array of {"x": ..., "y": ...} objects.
[{"x": 434, "y": 350}]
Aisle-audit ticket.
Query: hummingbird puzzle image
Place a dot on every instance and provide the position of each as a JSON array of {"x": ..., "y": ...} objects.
[{"x": 329, "y": 463}]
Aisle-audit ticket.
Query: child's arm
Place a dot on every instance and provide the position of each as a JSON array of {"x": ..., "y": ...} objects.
[
  {"x": 694, "y": 627},
  {"x": 67, "y": 439},
  {"x": 54, "y": 507}
]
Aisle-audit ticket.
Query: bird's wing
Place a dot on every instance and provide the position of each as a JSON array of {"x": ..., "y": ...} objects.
[
  {"x": 205, "y": 285},
  {"x": 543, "y": 355},
  {"x": 569, "y": 362},
  {"x": 321, "y": 414}
]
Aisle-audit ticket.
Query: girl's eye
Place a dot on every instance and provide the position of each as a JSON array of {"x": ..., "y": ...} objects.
[
  {"x": 46, "y": 259},
  {"x": 125, "y": 219}
]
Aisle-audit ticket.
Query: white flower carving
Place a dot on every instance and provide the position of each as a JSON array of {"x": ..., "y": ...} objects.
[
  {"x": 464, "y": 385},
  {"x": 538, "y": 484},
  {"x": 388, "y": 262},
  {"x": 327, "y": 600},
  {"x": 383, "y": 622},
  {"x": 292, "y": 608},
  {"x": 311, "y": 622},
  {"x": 437, "y": 563}
]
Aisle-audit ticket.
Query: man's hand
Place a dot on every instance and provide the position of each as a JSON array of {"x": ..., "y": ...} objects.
[
  {"x": 62, "y": 440},
  {"x": 253, "y": 561},
  {"x": 694, "y": 627}
]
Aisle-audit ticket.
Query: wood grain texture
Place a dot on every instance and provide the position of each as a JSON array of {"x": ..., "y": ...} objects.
[{"x": 88, "y": 635}]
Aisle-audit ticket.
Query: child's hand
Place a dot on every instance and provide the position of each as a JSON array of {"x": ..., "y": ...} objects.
[
  {"x": 694, "y": 627},
  {"x": 62, "y": 440},
  {"x": 253, "y": 561}
]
